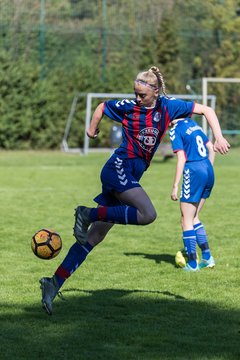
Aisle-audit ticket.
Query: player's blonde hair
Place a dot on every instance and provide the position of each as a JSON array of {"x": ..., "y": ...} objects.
[{"x": 154, "y": 78}]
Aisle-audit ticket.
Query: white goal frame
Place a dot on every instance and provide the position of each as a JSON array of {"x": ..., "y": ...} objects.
[
  {"x": 90, "y": 96},
  {"x": 205, "y": 81}
]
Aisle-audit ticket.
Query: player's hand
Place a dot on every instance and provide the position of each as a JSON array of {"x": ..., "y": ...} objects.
[
  {"x": 221, "y": 146},
  {"x": 174, "y": 193},
  {"x": 93, "y": 133}
]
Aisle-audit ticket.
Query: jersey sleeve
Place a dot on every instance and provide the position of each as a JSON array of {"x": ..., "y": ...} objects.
[
  {"x": 179, "y": 108},
  {"x": 176, "y": 139},
  {"x": 116, "y": 109}
]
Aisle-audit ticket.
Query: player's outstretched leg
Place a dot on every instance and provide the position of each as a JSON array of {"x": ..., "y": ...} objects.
[
  {"x": 82, "y": 222},
  {"x": 49, "y": 287},
  {"x": 75, "y": 257}
]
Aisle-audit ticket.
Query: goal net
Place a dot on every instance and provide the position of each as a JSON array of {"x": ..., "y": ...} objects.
[{"x": 91, "y": 100}]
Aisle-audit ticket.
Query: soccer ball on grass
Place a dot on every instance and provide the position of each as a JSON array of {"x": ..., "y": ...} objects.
[
  {"x": 46, "y": 244},
  {"x": 181, "y": 258}
]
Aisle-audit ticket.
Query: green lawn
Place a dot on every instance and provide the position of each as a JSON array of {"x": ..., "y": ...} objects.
[{"x": 128, "y": 300}]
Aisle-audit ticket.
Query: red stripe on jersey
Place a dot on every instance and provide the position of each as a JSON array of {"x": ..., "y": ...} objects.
[
  {"x": 130, "y": 150},
  {"x": 136, "y": 127},
  {"x": 132, "y": 128}
]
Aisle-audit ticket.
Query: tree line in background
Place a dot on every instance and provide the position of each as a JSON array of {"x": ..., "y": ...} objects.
[{"x": 49, "y": 51}]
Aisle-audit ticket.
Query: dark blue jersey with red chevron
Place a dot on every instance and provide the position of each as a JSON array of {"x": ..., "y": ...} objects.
[{"x": 143, "y": 128}]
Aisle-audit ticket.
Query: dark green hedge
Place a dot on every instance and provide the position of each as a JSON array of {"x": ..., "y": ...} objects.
[{"x": 33, "y": 111}]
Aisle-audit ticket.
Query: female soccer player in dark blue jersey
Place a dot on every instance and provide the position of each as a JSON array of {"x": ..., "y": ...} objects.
[
  {"x": 144, "y": 120},
  {"x": 195, "y": 156}
]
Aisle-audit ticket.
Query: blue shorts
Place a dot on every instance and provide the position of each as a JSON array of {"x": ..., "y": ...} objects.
[
  {"x": 119, "y": 174},
  {"x": 198, "y": 181}
]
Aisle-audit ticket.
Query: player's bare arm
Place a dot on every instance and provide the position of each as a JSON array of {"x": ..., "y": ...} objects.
[
  {"x": 221, "y": 145},
  {"x": 179, "y": 170},
  {"x": 211, "y": 153},
  {"x": 93, "y": 129}
]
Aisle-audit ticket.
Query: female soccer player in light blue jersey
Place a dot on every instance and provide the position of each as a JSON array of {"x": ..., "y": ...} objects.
[
  {"x": 195, "y": 156},
  {"x": 144, "y": 121}
]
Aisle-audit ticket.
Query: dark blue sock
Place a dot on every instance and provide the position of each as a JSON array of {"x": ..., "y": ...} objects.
[
  {"x": 202, "y": 240},
  {"x": 75, "y": 257},
  {"x": 189, "y": 240},
  {"x": 116, "y": 214}
]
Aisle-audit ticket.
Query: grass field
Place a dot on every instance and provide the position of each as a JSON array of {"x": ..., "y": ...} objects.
[{"x": 128, "y": 300}]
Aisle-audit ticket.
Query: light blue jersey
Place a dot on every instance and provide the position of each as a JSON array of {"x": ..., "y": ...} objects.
[
  {"x": 188, "y": 136},
  {"x": 198, "y": 175}
]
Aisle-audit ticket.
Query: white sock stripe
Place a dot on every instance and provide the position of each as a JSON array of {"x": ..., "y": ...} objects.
[
  {"x": 87, "y": 251},
  {"x": 126, "y": 215},
  {"x": 189, "y": 237},
  {"x": 198, "y": 227}
]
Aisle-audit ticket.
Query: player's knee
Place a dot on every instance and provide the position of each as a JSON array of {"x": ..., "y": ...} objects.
[
  {"x": 150, "y": 217},
  {"x": 153, "y": 217}
]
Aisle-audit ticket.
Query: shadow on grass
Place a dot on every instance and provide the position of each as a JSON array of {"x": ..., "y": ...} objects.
[
  {"x": 120, "y": 324},
  {"x": 158, "y": 258}
]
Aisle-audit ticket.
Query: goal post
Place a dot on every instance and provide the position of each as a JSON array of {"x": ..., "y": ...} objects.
[
  {"x": 205, "y": 82},
  {"x": 211, "y": 99}
]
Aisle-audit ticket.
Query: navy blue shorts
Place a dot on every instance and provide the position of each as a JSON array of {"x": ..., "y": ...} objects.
[
  {"x": 198, "y": 181},
  {"x": 119, "y": 174}
]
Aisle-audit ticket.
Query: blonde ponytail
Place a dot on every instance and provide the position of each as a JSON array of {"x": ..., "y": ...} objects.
[
  {"x": 154, "y": 78},
  {"x": 161, "y": 84}
]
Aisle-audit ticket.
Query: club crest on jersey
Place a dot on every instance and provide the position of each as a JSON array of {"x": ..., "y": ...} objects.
[
  {"x": 157, "y": 117},
  {"x": 147, "y": 138}
]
